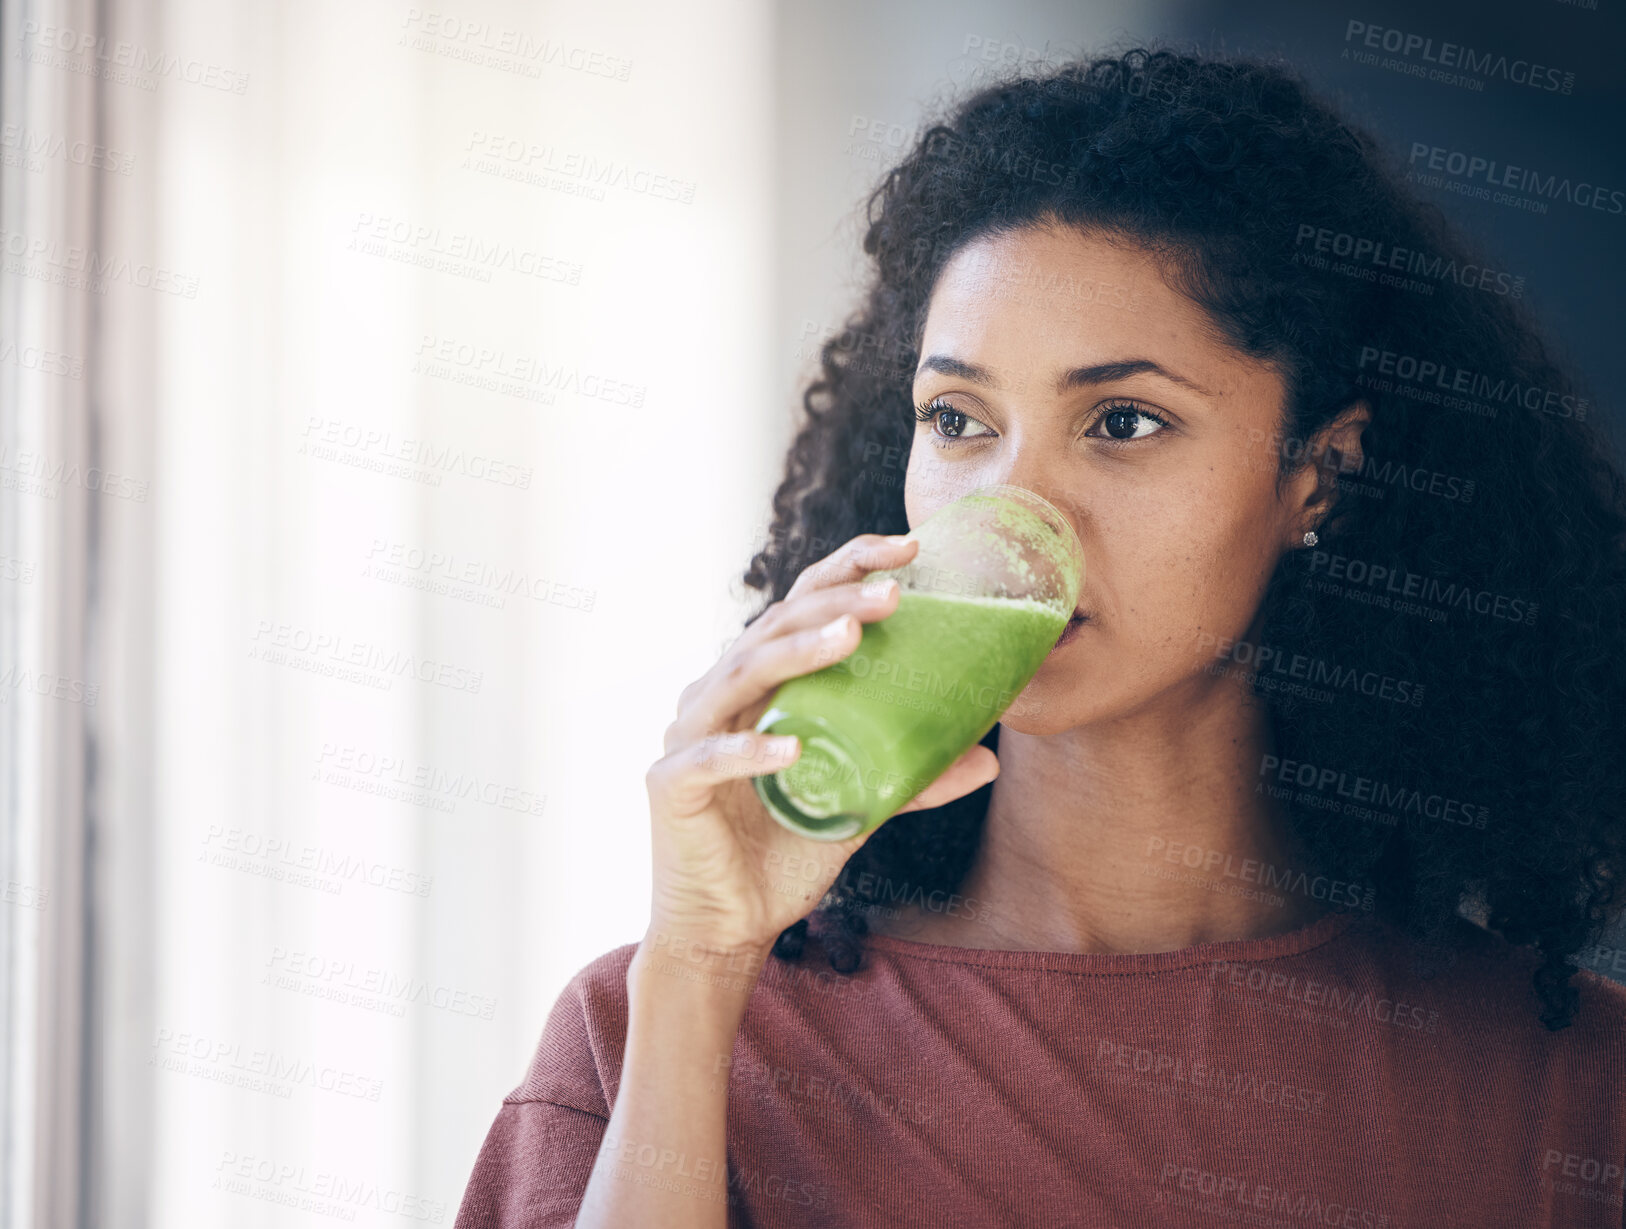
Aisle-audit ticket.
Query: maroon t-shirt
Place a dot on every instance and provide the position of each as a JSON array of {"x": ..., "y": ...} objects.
[{"x": 1311, "y": 1078}]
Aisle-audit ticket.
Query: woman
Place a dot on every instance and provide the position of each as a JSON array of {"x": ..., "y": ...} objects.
[{"x": 1347, "y": 671}]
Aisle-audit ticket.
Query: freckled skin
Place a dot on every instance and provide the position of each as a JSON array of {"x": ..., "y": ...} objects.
[{"x": 1122, "y": 734}]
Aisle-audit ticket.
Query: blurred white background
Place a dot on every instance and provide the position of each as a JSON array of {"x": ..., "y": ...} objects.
[{"x": 392, "y": 396}]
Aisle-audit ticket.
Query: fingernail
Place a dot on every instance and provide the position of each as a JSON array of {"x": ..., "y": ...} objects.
[
  {"x": 897, "y": 539},
  {"x": 879, "y": 587},
  {"x": 834, "y": 628}
]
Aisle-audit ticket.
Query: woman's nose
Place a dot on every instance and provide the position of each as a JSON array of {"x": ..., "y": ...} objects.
[{"x": 1032, "y": 473}]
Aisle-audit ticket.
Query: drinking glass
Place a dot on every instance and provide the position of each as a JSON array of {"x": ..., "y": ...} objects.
[{"x": 990, "y": 589}]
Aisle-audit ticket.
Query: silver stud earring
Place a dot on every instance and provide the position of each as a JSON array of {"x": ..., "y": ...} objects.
[{"x": 1310, "y": 538}]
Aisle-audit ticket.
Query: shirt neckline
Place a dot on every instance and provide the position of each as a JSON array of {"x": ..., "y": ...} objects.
[{"x": 1106, "y": 964}]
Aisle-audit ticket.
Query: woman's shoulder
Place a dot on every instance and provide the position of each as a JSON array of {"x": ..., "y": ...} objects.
[
  {"x": 1486, "y": 986},
  {"x": 601, "y": 984},
  {"x": 577, "y": 1062}
]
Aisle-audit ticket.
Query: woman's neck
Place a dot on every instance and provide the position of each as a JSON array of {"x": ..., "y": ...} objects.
[{"x": 1149, "y": 834}]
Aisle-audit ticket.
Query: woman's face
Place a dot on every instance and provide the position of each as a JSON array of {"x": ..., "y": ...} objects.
[{"x": 1062, "y": 363}]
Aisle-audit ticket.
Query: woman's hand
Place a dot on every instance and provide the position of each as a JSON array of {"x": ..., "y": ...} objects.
[{"x": 726, "y": 873}]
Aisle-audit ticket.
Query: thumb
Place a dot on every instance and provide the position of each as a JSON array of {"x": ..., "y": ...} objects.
[{"x": 971, "y": 771}]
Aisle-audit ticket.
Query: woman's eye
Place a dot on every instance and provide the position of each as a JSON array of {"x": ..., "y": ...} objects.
[
  {"x": 1120, "y": 423},
  {"x": 1127, "y": 422},
  {"x": 949, "y": 423}
]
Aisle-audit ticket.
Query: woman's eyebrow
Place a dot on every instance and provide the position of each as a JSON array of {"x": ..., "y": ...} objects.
[
  {"x": 1097, "y": 373},
  {"x": 955, "y": 367},
  {"x": 1122, "y": 369}
]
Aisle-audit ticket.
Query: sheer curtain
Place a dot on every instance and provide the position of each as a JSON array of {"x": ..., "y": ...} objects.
[
  {"x": 69, "y": 499},
  {"x": 432, "y": 356}
]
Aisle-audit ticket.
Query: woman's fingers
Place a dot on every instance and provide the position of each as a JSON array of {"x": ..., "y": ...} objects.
[
  {"x": 685, "y": 778},
  {"x": 868, "y": 552},
  {"x": 821, "y": 593},
  {"x": 746, "y": 678},
  {"x": 817, "y": 607},
  {"x": 817, "y": 630},
  {"x": 971, "y": 771},
  {"x": 825, "y": 589}
]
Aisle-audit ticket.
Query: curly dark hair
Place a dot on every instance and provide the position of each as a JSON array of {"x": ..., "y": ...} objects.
[{"x": 1485, "y": 483}]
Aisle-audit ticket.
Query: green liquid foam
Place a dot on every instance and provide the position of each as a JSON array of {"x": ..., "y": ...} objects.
[
  {"x": 924, "y": 684},
  {"x": 1020, "y": 538}
]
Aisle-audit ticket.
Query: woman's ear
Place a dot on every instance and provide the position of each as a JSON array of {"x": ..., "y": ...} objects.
[{"x": 1334, "y": 450}]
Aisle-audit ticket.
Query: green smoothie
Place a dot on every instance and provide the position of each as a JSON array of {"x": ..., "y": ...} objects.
[{"x": 924, "y": 684}]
